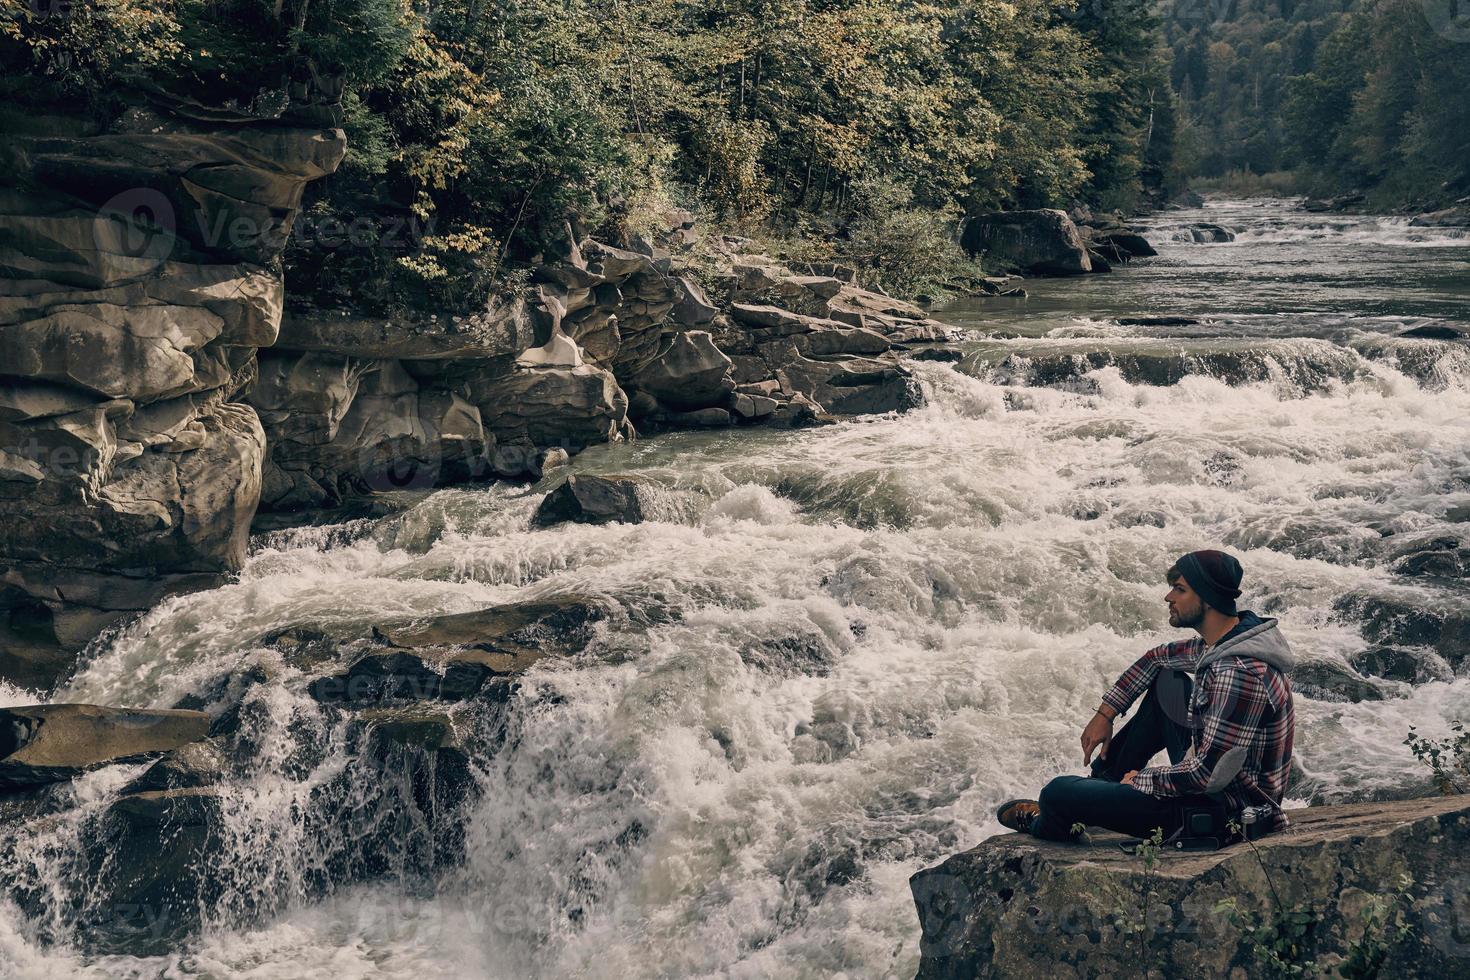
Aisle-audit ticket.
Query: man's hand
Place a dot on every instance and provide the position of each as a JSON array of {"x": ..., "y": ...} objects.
[
  {"x": 1128, "y": 777},
  {"x": 1099, "y": 731}
]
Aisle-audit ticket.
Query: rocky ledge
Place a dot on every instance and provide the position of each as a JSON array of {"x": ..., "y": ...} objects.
[{"x": 1019, "y": 907}]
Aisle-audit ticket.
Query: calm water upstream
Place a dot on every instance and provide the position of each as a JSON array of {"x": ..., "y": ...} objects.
[{"x": 881, "y": 629}]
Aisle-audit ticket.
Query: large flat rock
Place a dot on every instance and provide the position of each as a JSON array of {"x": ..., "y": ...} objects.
[
  {"x": 46, "y": 743},
  {"x": 1020, "y": 907}
]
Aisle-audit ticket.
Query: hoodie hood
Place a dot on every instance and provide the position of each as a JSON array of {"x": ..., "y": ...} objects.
[{"x": 1258, "y": 640}]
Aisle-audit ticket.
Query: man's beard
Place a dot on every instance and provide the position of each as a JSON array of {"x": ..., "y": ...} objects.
[{"x": 1177, "y": 617}]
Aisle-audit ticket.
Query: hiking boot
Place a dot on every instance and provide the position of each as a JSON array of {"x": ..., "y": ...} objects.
[{"x": 1018, "y": 814}]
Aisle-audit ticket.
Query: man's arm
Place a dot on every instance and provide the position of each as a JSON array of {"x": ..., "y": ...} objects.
[
  {"x": 1238, "y": 702},
  {"x": 1179, "y": 655},
  {"x": 1137, "y": 679}
]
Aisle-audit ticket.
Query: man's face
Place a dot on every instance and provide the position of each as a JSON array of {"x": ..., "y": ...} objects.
[{"x": 1186, "y": 608}]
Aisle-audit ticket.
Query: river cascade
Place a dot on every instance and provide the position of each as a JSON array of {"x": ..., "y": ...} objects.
[{"x": 830, "y": 652}]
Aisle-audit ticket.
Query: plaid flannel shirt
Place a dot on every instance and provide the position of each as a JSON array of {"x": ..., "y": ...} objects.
[{"x": 1238, "y": 701}]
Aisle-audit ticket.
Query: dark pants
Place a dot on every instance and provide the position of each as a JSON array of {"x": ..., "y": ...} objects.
[{"x": 1101, "y": 800}]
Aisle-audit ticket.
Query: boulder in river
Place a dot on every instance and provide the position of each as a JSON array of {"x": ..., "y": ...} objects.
[
  {"x": 1207, "y": 233},
  {"x": 1019, "y": 907},
  {"x": 152, "y": 869},
  {"x": 1430, "y": 617},
  {"x": 585, "y": 499},
  {"x": 1130, "y": 242},
  {"x": 200, "y": 763},
  {"x": 50, "y": 742},
  {"x": 1328, "y": 680},
  {"x": 1410, "y": 665},
  {"x": 1436, "y": 331},
  {"x": 1043, "y": 242},
  {"x": 464, "y": 655},
  {"x": 1455, "y": 217}
]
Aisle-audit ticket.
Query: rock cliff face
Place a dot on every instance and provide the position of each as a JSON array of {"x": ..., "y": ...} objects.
[
  {"x": 140, "y": 278},
  {"x": 1019, "y": 907}
]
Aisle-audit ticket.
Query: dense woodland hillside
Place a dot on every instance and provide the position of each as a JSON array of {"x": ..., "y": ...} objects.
[
  {"x": 869, "y": 123},
  {"x": 1351, "y": 95},
  {"x": 854, "y": 129}
]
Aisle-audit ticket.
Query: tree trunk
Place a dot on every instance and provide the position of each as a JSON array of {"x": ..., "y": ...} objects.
[{"x": 806, "y": 185}]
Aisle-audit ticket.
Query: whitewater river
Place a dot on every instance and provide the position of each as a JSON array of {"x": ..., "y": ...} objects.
[{"x": 869, "y": 634}]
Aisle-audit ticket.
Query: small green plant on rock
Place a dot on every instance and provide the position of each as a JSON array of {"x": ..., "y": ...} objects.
[
  {"x": 1148, "y": 849},
  {"x": 1282, "y": 940},
  {"x": 1386, "y": 921},
  {"x": 1448, "y": 759},
  {"x": 1279, "y": 940}
]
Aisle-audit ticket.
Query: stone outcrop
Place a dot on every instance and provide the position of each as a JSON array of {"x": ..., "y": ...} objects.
[
  {"x": 153, "y": 393},
  {"x": 140, "y": 278},
  {"x": 593, "y": 500},
  {"x": 51, "y": 742},
  {"x": 1041, "y": 242},
  {"x": 1019, "y": 907}
]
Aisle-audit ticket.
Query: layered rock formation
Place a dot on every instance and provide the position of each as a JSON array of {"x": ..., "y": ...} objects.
[
  {"x": 611, "y": 341},
  {"x": 140, "y": 278},
  {"x": 1019, "y": 907}
]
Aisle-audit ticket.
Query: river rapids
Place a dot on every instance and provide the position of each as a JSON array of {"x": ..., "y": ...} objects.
[{"x": 844, "y": 646}]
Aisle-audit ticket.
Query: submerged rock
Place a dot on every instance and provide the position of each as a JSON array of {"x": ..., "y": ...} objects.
[
  {"x": 1308, "y": 365},
  {"x": 1020, "y": 907},
  {"x": 1157, "y": 321},
  {"x": 51, "y": 742}
]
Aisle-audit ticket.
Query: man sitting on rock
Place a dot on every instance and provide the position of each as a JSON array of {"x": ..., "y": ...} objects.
[{"x": 1240, "y": 699}]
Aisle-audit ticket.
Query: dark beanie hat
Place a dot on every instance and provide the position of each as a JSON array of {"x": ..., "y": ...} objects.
[{"x": 1215, "y": 576}]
